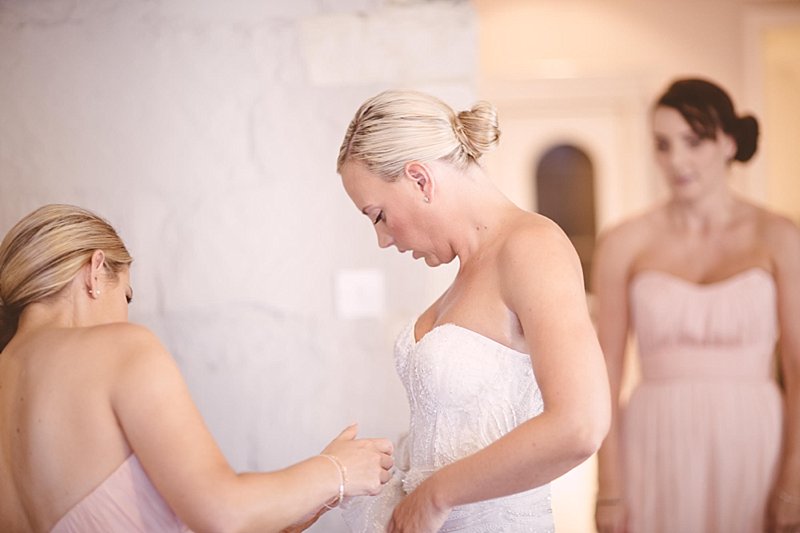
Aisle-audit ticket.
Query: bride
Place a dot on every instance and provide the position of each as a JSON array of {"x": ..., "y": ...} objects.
[{"x": 505, "y": 378}]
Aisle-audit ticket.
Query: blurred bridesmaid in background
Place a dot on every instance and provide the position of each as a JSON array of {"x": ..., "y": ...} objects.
[{"x": 710, "y": 284}]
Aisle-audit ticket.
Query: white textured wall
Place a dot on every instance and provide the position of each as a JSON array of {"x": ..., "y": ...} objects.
[{"x": 207, "y": 131}]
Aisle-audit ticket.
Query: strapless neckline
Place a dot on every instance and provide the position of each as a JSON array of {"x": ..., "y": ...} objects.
[
  {"x": 747, "y": 273},
  {"x": 465, "y": 391},
  {"x": 440, "y": 328}
]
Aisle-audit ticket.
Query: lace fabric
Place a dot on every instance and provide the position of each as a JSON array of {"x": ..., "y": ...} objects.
[{"x": 465, "y": 391}]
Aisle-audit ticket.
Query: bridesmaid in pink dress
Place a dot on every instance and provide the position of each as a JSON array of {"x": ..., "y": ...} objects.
[
  {"x": 709, "y": 283},
  {"x": 98, "y": 432}
]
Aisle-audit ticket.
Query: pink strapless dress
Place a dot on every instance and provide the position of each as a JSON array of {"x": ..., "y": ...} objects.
[
  {"x": 702, "y": 431},
  {"x": 125, "y": 502}
]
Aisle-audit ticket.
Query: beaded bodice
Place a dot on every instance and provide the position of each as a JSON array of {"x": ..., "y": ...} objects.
[{"x": 464, "y": 391}]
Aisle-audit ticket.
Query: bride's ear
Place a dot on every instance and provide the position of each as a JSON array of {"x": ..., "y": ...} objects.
[{"x": 423, "y": 179}]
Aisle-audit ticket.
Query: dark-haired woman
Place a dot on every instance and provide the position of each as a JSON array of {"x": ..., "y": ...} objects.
[{"x": 710, "y": 283}]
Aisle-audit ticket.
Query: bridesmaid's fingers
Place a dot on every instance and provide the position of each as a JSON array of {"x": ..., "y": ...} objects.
[
  {"x": 383, "y": 445},
  {"x": 387, "y": 462},
  {"x": 348, "y": 433}
]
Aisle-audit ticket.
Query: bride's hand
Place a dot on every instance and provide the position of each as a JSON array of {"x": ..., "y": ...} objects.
[
  {"x": 417, "y": 513},
  {"x": 367, "y": 462}
]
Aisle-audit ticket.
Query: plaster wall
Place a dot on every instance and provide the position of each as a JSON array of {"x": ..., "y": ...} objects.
[{"x": 207, "y": 133}]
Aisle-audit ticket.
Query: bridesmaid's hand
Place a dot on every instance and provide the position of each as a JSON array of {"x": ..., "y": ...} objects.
[
  {"x": 783, "y": 514},
  {"x": 417, "y": 513},
  {"x": 368, "y": 462},
  {"x": 611, "y": 518}
]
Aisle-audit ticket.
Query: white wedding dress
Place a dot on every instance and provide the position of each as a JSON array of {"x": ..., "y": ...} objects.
[{"x": 465, "y": 391}]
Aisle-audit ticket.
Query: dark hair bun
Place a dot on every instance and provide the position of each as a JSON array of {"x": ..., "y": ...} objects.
[{"x": 746, "y": 136}]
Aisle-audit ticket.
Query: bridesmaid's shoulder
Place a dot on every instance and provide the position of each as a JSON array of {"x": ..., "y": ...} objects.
[
  {"x": 124, "y": 340},
  {"x": 769, "y": 223},
  {"x": 778, "y": 231}
]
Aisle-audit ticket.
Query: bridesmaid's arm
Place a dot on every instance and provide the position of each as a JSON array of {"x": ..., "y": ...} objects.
[
  {"x": 784, "y": 508},
  {"x": 610, "y": 279},
  {"x": 542, "y": 284},
  {"x": 304, "y": 523},
  {"x": 167, "y": 433}
]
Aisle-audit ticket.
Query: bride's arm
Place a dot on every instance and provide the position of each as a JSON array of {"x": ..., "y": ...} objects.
[{"x": 542, "y": 284}]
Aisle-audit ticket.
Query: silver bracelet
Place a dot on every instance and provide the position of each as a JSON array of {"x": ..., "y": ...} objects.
[
  {"x": 342, "y": 480},
  {"x": 788, "y": 498}
]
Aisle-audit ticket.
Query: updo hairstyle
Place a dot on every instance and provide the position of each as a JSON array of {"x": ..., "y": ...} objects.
[
  {"x": 707, "y": 108},
  {"x": 395, "y": 127},
  {"x": 44, "y": 251}
]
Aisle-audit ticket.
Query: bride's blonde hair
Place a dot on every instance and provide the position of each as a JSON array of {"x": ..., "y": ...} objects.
[{"x": 395, "y": 127}]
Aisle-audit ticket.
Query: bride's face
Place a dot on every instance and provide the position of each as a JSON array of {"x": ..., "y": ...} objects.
[{"x": 393, "y": 208}]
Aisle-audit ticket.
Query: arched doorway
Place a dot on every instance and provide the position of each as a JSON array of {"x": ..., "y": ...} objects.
[{"x": 564, "y": 184}]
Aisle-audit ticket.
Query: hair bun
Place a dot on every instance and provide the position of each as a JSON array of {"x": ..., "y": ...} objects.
[
  {"x": 477, "y": 129},
  {"x": 746, "y": 138}
]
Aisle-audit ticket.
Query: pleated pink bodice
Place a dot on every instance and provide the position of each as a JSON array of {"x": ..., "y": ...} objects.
[{"x": 126, "y": 502}]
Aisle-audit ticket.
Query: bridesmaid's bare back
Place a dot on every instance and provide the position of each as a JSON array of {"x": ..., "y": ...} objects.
[{"x": 54, "y": 389}]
